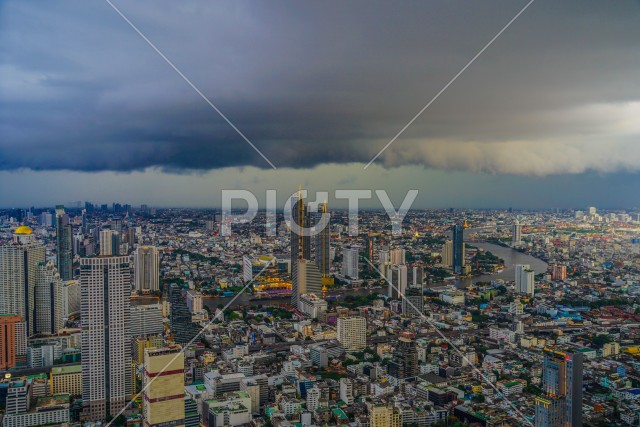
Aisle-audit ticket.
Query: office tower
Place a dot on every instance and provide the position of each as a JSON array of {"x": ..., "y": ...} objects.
[
  {"x": 371, "y": 241},
  {"x": 352, "y": 333},
  {"x": 525, "y": 277},
  {"x": 558, "y": 272},
  {"x": 309, "y": 280},
  {"x": 397, "y": 256},
  {"x": 592, "y": 211},
  {"x": 49, "y": 310},
  {"x": 562, "y": 384},
  {"x": 182, "y": 328},
  {"x": 191, "y": 416},
  {"x": 163, "y": 385},
  {"x": 146, "y": 320},
  {"x": 64, "y": 244},
  {"x": 147, "y": 269},
  {"x": 415, "y": 276},
  {"x": 116, "y": 225},
  {"x": 18, "y": 263},
  {"x": 404, "y": 365},
  {"x": 8, "y": 344},
  {"x": 458, "y": 248},
  {"x": 46, "y": 219},
  {"x": 131, "y": 237},
  {"x": 397, "y": 278},
  {"x": 413, "y": 302},
  {"x": 447, "y": 254},
  {"x": 105, "y": 287},
  {"x": 516, "y": 239},
  {"x": 109, "y": 243},
  {"x": 71, "y": 298},
  {"x": 323, "y": 245},
  {"x": 350, "y": 262},
  {"x": 300, "y": 245}
]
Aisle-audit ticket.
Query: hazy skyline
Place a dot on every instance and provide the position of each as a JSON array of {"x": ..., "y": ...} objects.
[{"x": 546, "y": 117}]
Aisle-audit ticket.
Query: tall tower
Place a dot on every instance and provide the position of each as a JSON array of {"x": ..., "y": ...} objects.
[
  {"x": 562, "y": 383},
  {"x": 525, "y": 279},
  {"x": 64, "y": 244},
  {"x": 300, "y": 245},
  {"x": 350, "y": 264},
  {"x": 163, "y": 398},
  {"x": 404, "y": 366},
  {"x": 458, "y": 248},
  {"x": 8, "y": 340},
  {"x": 106, "y": 351},
  {"x": 322, "y": 246},
  {"x": 516, "y": 239},
  {"x": 19, "y": 261},
  {"x": 147, "y": 269},
  {"x": 49, "y": 309}
]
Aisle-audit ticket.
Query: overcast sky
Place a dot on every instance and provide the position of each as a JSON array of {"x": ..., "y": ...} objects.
[{"x": 548, "y": 116}]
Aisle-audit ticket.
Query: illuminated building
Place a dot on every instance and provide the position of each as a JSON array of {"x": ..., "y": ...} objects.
[{"x": 300, "y": 246}]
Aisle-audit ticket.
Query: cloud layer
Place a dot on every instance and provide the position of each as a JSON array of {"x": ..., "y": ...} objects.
[{"x": 320, "y": 83}]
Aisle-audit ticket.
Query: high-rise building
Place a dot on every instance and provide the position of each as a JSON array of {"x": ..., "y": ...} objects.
[
  {"x": 525, "y": 279},
  {"x": 64, "y": 244},
  {"x": 322, "y": 258},
  {"x": 49, "y": 310},
  {"x": 447, "y": 254},
  {"x": 350, "y": 262},
  {"x": 182, "y": 328},
  {"x": 352, "y": 333},
  {"x": 109, "y": 243},
  {"x": 300, "y": 245},
  {"x": 105, "y": 284},
  {"x": 71, "y": 298},
  {"x": 413, "y": 302},
  {"x": 516, "y": 239},
  {"x": 592, "y": 211},
  {"x": 558, "y": 272},
  {"x": 163, "y": 385},
  {"x": 398, "y": 256},
  {"x": 562, "y": 384},
  {"x": 8, "y": 342},
  {"x": 404, "y": 366},
  {"x": 458, "y": 248},
  {"x": 309, "y": 280},
  {"x": 147, "y": 269},
  {"x": 397, "y": 278},
  {"x": 384, "y": 416},
  {"x": 19, "y": 261}
]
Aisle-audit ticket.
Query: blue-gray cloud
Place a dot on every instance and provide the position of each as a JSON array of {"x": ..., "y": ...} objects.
[{"x": 314, "y": 83}]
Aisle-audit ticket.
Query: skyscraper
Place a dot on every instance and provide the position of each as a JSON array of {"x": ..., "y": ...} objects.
[
  {"x": 309, "y": 280},
  {"x": 106, "y": 351},
  {"x": 404, "y": 366},
  {"x": 163, "y": 382},
  {"x": 350, "y": 262},
  {"x": 323, "y": 245},
  {"x": 352, "y": 333},
  {"x": 64, "y": 244},
  {"x": 525, "y": 279},
  {"x": 300, "y": 244},
  {"x": 458, "y": 248},
  {"x": 562, "y": 383},
  {"x": 397, "y": 278},
  {"x": 109, "y": 243},
  {"x": 516, "y": 239},
  {"x": 18, "y": 264},
  {"x": 8, "y": 342},
  {"x": 48, "y": 297},
  {"x": 147, "y": 269}
]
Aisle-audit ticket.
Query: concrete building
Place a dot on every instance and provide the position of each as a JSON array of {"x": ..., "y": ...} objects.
[
  {"x": 106, "y": 348},
  {"x": 350, "y": 262},
  {"x": 163, "y": 385},
  {"x": 8, "y": 344},
  {"x": 312, "y": 305},
  {"x": 66, "y": 380},
  {"x": 146, "y": 269},
  {"x": 352, "y": 333},
  {"x": 525, "y": 279},
  {"x": 48, "y": 300}
]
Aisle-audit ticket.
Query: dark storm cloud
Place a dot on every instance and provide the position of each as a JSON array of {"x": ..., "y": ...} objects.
[{"x": 317, "y": 82}]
